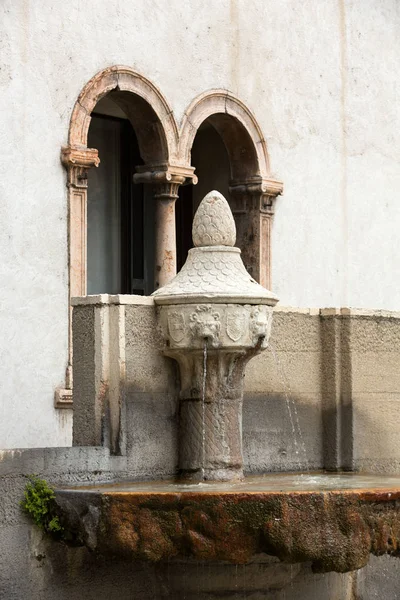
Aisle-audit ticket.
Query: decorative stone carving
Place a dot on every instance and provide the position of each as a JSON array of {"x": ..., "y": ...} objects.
[
  {"x": 260, "y": 322},
  {"x": 235, "y": 322},
  {"x": 176, "y": 325},
  {"x": 215, "y": 271},
  {"x": 214, "y": 224},
  {"x": 221, "y": 325},
  {"x": 205, "y": 324},
  {"x": 214, "y": 318}
]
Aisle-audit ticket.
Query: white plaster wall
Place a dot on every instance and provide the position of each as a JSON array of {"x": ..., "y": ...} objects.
[{"x": 322, "y": 79}]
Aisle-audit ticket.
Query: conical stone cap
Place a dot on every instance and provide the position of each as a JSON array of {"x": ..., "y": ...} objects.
[{"x": 214, "y": 271}]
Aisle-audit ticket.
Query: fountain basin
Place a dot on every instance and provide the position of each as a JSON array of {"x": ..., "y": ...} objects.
[{"x": 333, "y": 521}]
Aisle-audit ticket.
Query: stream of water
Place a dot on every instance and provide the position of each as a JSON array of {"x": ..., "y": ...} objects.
[
  {"x": 203, "y": 412},
  {"x": 298, "y": 439}
]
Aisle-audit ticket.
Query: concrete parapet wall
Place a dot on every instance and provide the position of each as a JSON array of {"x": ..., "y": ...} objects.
[
  {"x": 125, "y": 389},
  {"x": 282, "y": 394},
  {"x": 324, "y": 395}
]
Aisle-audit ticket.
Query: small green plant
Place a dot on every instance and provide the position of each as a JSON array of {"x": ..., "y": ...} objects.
[{"x": 39, "y": 503}]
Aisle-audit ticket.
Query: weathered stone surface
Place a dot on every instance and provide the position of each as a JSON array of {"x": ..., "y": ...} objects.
[
  {"x": 334, "y": 530},
  {"x": 215, "y": 317},
  {"x": 213, "y": 224}
]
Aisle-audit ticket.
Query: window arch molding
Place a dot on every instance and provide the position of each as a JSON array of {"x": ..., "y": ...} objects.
[
  {"x": 164, "y": 131},
  {"x": 245, "y": 126},
  {"x": 166, "y": 151},
  {"x": 252, "y": 189}
]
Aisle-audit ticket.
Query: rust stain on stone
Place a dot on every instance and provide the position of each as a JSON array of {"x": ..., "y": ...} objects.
[{"x": 334, "y": 530}]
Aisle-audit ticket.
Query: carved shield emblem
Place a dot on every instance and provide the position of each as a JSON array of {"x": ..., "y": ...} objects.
[
  {"x": 176, "y": 326},
  {"x": 235, "y": 324}
]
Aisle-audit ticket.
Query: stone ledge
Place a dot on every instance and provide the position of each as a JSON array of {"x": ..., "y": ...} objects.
[
  {"x": 313, "y": 312},
  {"x": 338, "y": 312},
  {"x": 359, "y": 312},
  {"x": 28, "y": 461},
  {"x": 334, "y": 529},
  {"x": 106, "y": 299}
]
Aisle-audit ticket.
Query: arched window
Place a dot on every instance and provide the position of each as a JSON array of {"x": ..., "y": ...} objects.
[
  {"x": 124, "y": 235},
  {"x": 222, "y": 140}
]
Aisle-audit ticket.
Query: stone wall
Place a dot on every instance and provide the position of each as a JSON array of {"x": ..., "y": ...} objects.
[{"x": 323, "y": 395}]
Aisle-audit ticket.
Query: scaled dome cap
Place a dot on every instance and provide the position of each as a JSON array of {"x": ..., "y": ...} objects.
[
  {"x": 214, "y": 271},
  {"x": 213, "y": 223}
]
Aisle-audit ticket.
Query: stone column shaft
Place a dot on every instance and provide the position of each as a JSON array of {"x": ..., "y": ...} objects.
[
  {"x": 210, "y": 433},
  {"x": 165, "y": 197},
  {"x": 166, "y": 181},
  {"x": 218, "y": 455},
  {"x": 253, "y": 208}
]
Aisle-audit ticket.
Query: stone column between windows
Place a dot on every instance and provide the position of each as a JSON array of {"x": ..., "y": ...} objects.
[
  {"x": 252, "y": 204},
  {"x": 166, "y": 185},
  {"x": 77, "y": 161},
  {"x": 165, "y": 196}
]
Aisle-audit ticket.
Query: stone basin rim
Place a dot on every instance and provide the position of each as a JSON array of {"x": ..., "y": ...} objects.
[
  {"x": 346, "y": 483},
  {"x": 365, "y": 494}
]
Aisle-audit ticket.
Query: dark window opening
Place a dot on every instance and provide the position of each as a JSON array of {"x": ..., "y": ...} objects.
[
  {"x": 120, "y": 228},
  {"x": 211, "y": 161}
]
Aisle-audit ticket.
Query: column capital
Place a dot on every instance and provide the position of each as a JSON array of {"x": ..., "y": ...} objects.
[
  {"x": 78, "y": 160},
  {"x": 165, "y": 173},
  {"x": 265, "y": 190}
]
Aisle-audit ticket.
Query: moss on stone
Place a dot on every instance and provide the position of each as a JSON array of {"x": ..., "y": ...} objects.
[{"x": 39, "y": 504}]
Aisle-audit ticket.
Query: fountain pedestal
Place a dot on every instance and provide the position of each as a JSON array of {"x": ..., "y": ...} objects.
[
  {"x": 211, "y": 396},
  {"x": 215, "y": 317}
]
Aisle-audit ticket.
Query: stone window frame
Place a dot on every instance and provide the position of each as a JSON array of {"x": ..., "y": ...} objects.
[{"x": 166, "y": 151}]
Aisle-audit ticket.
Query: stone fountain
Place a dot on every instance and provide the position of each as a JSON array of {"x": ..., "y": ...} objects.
[
  {"x": 212, "y": 318},
  {"x": 215, "y": 317}
]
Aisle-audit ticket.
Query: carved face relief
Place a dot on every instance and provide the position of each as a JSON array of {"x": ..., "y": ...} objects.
[
  {"x": 260, "y": 320},
  {"x": 205, "y": 323},
  {"x": 176, "y": 326},
  {"x": 235, "y": 321}
]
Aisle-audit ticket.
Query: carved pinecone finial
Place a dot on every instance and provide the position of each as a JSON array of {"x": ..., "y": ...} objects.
[{"x": 213, "y": 223}]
